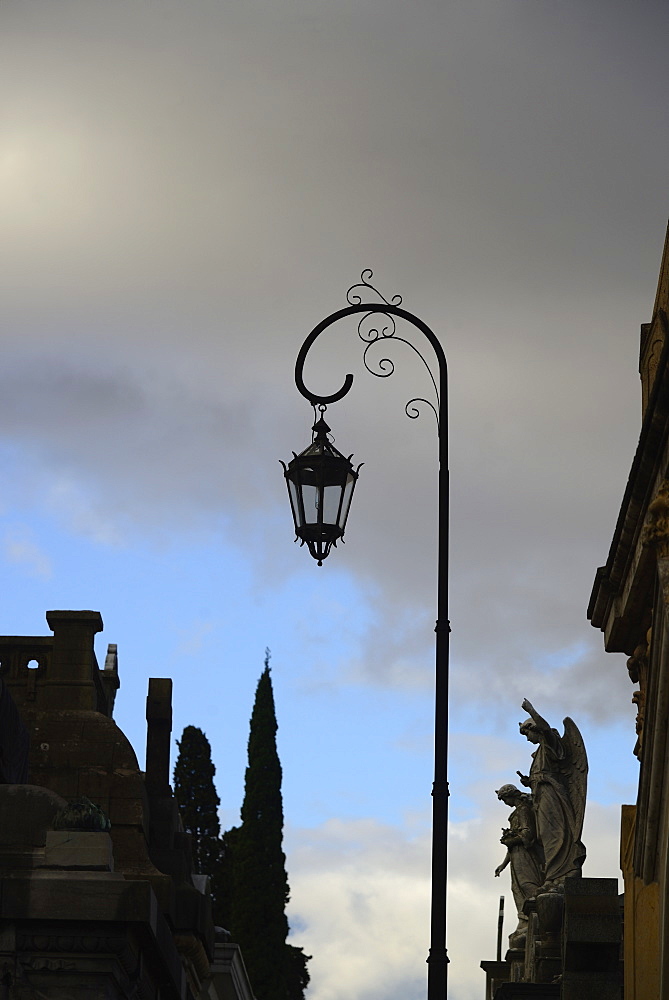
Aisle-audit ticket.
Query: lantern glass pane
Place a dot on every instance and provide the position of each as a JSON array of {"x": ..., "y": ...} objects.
[
  {"x": 331, "y": 498},
  {"x": 311, "y": 504},
  {"x": 293, "y": 494},
  {"x": 346, "y": 499}
]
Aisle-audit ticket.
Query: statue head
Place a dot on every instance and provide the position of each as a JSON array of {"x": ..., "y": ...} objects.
[
  {"x": 508, "y": 794},
  {"x": 530, "y": 730}
]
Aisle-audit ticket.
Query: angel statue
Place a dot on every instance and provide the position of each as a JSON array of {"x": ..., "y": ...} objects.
[
  {"x": 558, "y": 781},
  {"x": 523, "y": 854}
]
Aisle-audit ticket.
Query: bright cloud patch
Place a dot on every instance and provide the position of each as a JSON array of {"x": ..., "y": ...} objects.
[
  {"x": 20, "y": 548},
  {"x": 361, "y": 901}
]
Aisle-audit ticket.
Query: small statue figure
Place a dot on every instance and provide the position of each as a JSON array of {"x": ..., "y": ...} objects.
[
  {"x": 558, "y": 782},
  {"x": 523, "y": 854}
]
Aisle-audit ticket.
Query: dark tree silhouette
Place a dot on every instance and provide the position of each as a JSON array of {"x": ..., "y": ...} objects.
[
  {"x": 198, "y": 804},
  {"x": 256, "y": 865}
]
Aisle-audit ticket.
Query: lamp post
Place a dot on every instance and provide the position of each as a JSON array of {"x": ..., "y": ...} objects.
[{"x": 320, "y": 485}]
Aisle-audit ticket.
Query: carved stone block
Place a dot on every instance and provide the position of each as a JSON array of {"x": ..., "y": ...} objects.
[{"x": 78, "y": 850}]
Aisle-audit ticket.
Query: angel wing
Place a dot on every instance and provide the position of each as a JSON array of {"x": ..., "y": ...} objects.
[{"x": 575, "y": 770}]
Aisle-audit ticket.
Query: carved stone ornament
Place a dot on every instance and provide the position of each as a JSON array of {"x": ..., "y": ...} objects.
[
  {"x": 655, "y": 531},
  {"x": 637, "y": 667},
  {"x": 39, "y": 964},
  {"x": 73, "y": 943},
  {"x": 82, "y": 814},
  {"x": 653, "y": 360}
]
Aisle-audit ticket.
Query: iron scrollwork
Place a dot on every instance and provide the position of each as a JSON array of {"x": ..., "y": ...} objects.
[{"x": 360, "y": 297}]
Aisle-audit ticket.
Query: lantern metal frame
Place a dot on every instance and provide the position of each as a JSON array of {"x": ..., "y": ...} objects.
[
  {"x": 320, "y": 517},
  {"x": 378, "y": 325}
]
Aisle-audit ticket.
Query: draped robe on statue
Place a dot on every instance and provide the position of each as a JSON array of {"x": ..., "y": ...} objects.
[
  {"x": 524, "y": 853},
  {"x": 559, "y": 823}
]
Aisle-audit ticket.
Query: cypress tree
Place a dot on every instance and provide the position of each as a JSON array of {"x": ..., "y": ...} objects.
[
  {"x": 198, "y": 804},
  {"x": 257, "y": 864}
]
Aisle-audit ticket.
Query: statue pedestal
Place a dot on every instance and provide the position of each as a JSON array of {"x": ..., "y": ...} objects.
[
  {"x": 591, "y": 939},
  {"x": 515, "y": 959},
  {"x": 528, "y": 991},
  {"x": 496, "y": 973},
  {"x": 543, "y": 951}
]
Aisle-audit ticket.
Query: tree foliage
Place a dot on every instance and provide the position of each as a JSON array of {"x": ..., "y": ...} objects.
[
  {"x": 198, "y": 802},
  {"x": 256, "y": 864}
]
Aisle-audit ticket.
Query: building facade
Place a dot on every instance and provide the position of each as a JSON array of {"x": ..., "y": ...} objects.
[
  {"x": 630, "y": 604},
  {"x": 98, "y": 899}
]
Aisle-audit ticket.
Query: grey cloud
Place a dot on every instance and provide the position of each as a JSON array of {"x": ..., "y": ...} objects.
[{"x": 188, "y": 191}]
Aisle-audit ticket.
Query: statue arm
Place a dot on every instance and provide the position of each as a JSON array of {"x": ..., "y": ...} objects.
[
  {"x": 539, "y": 720},
  {"x": 525, "y": 836},
  {"x": 550, "y": 738},
  {"x": 500, "y": 868}
]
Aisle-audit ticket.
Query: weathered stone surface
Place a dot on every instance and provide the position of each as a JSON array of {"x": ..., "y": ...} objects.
[
  {"x": 78, "y": 849},
  {"x": 158, "y": 733},
  {"x": 71, "y": 682},
  {"x": 546, "y": 949},
  {"x": 14, "y": 740},
  {"x": 88, "y": 935},
  {"x": 228, "y": 979},
  {"x": 525, "y": 991},
  {"x": 515, "y": 959},
  {"x": 591, "y": 940},
  {"x": 100, "y": 898},
  {"x": 496, "y": 973},
  {"x": 26, "y": 813}
]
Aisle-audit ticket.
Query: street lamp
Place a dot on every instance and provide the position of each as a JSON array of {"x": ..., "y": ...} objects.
[
  {"x": 320, "y": 486},
  {"x": 321, "y": 521}
]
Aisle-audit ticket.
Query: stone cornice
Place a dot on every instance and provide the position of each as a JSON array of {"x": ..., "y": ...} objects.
[{"x": 621, "y": 587}]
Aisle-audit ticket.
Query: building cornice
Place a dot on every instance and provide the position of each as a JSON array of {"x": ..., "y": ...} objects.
[{"x": 621, "y": 587}]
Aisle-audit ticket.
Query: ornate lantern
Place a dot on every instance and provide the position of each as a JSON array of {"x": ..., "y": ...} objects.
[{"x": 320, "y": 486}]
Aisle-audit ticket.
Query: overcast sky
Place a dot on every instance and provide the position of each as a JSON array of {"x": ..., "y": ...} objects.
[{"x": 186, "y": 189}]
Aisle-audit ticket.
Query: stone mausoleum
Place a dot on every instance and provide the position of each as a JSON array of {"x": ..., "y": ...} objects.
[{"x": 99, "y": 899}]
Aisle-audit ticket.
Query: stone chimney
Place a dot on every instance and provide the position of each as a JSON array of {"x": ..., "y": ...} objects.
[
  {"x": 158, "y": 733},
  {"x": 72, "y": 681}
]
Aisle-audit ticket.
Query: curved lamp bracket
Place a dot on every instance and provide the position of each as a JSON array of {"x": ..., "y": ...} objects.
[{"x": 374, "y": 333}]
